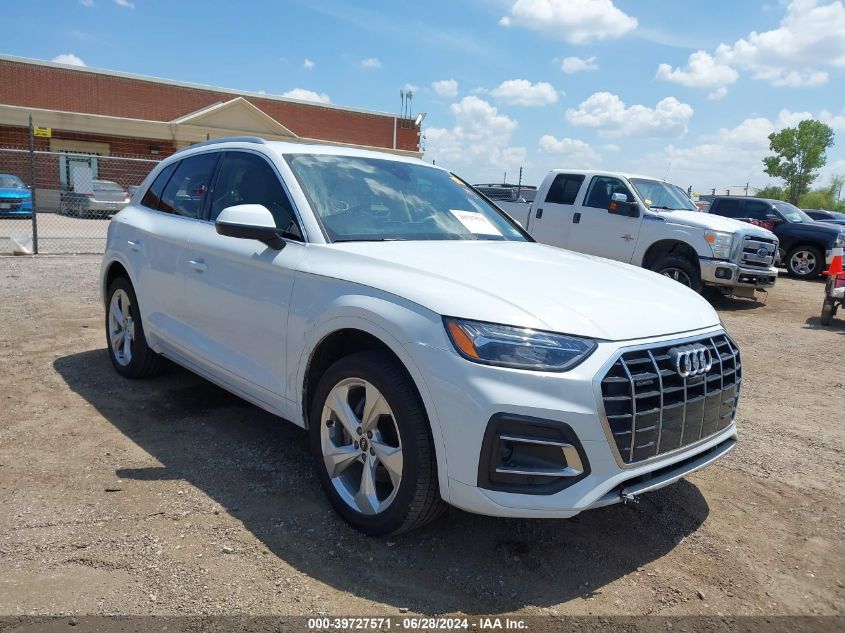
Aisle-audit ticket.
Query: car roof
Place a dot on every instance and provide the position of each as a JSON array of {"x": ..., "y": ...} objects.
[
  {"x": 748, "y": 198},
  {"x": 601, "y": 172}
]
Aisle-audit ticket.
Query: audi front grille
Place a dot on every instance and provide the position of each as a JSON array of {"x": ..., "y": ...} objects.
[{"x": 652, "y": 410}]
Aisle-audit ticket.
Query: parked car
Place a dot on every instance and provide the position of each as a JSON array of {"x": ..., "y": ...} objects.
[
  {"x": 805, "y": 244},
  {"x": 653, "y": 224},
  {"x": 432, "y": 349},
  {"x": 822, "y": 215},
  {"x": 105, "y": 199},
  {"x": 15, "y": 197}
]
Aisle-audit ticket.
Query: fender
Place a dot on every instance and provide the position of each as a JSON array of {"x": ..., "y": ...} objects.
[{"x": 653, "y": 232}]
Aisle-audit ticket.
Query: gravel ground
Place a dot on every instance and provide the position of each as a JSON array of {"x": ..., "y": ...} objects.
[
  {"x": 170, "y": 496},
  {"x": 56, "y": 234}
]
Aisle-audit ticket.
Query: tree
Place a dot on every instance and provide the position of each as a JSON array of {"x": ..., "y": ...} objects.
[
  {"x": 799, "y": 152},
  {"x": 771, "y": 192}
]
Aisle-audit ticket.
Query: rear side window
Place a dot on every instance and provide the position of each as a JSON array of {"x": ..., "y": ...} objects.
[
  {"x": 246, "y": 178},
  {"x": 185, "y": 193},
  {"x": 564, "y": 189},
  {"x": 152, "y": 198},
  {"x": 728, "y": 208}
]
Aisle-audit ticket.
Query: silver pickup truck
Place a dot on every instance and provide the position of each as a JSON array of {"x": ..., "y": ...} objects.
[{"x": 646, "y": 222}]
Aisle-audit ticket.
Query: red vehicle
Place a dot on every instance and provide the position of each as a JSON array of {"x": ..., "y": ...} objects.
[{"x": 834, "y": 297}]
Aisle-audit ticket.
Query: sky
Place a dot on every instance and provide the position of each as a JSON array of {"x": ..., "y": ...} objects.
[{"x": 686, "y": 90}]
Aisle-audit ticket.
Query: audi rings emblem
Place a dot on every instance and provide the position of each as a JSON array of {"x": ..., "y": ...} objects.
[{"x": 691, "y": 360}]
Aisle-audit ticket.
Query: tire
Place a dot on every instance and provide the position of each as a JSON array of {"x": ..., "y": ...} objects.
[
  {"x": 140, "y": 361},
  {"x": 680, "y": 269},
  {"x": 393, "y": 507},
  {"x": 828, "y": 310},
  {"x": 805, "y": 262}
]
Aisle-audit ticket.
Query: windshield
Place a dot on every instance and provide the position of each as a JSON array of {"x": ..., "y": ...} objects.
[
  {"x": 792, "y": 213},
  {"x": 361, "y": 199},
  {"x": 11, "y": 182},
  {"x": 662, "y": 195}
]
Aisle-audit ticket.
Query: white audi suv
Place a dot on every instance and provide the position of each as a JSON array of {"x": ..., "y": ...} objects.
[{"x": 432, "y": 349}]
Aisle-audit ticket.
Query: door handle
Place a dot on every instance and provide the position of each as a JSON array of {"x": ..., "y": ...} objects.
[
  {"x": 198, "y": 265},
  {"x": 576, "y": 219},
  {"x": 134, "y": 245},
  {"x": 539, "y": 214}
]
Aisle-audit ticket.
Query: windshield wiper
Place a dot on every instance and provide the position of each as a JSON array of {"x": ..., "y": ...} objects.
[{"x": 371, "y": 239}]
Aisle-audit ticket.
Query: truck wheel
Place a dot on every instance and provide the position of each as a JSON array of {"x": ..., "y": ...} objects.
[
  {"x": 680, "y": 269},
  {"x": 371, "y": 445},
  {"x": 828, "y": 310},
  {"x": 805, "y": 262}
]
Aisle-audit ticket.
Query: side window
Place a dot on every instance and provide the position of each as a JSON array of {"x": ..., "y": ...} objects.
[
  {"x": 185, "y": 193},
  {"x": 564, "y": 189},
  {"x": 602, "y": 189},
  {"x": 246, "y": 178},
  {"x": 729, "y": 208},
  {"x": 152, "y": 198},
  {"x": 756, "y": 210}
]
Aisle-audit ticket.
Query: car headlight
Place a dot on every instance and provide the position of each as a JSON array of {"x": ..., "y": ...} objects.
[
  {"x": 720, "y": 242},
  {"x": 520, "y": 348},
  {"x": 840, "y": 241}
]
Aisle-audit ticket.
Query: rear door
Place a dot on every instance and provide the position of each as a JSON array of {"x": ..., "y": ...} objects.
[
  {"x": 551, "y": 218},
  {"x": 175, "y": 200},
  {"x": 600, "y": 232},
  {"x": 238, "y": 290}
]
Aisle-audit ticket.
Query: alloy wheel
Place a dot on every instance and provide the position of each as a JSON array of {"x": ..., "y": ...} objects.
[
  {"x": 361, "y": 447},
  {"x": 121, "y": 327},
  {"x": 802, "y": 263},
  {"x": 678, "y": 275}
]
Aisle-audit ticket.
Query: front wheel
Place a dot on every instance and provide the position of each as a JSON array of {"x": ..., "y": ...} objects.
[
  {"x": 372, "y": 447},
  {"x": 680, "y": 269},
  {"x": 805, "y": 262}
]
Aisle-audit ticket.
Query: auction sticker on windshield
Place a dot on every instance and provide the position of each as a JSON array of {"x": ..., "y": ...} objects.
[{"x": 475, "y": 222}]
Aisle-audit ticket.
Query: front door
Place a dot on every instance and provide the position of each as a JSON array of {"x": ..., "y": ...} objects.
[
  {"x": 600, "y": 232},
  {"x": 238, "y": 290}
]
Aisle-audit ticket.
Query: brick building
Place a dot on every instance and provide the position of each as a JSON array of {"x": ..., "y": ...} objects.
[{"x": 94, "y": 113}]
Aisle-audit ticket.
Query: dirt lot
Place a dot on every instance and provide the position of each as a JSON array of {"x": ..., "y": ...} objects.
[{"x": 170, "y": 496}]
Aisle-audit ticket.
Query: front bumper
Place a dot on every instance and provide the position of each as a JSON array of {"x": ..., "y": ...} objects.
[
  {"x": 466, "y": 397},
  {"x": 717, "y": 272}
]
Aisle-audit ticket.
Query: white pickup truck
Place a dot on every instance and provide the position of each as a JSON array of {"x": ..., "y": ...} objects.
[{"x": 649, "y": 223}]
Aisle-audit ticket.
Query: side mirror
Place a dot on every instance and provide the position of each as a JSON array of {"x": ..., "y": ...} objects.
[
  {"x": 249, "y": 222},
  {"x": 619, "y": 205}
]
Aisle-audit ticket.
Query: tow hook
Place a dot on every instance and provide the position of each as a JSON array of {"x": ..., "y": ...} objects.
[{"x": 629, "y": 498}]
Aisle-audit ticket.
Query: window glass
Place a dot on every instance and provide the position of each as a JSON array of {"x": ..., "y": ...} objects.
[
  {"x": 246, "y": 178},
  {"x": 792, "y": 213},
  {"x": 757, "y": 210},
  {"x": 602, "y": 189},
  {"x": 729, "y": 208},
  {"x": 152, "y": 198},
  {"x": 663, "y": 195},
  {"x": 8, "y": 181},
  {"x": 359, "y": 198},
  {"x": 185, "y": 193},
  {"x": 564, "y": 189}
]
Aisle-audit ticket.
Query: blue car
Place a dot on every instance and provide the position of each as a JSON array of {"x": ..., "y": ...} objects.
[{"x": 15, "y": 197}]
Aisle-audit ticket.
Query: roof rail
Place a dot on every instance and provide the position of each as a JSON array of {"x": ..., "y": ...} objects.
[{"x": 228, "y": 139}]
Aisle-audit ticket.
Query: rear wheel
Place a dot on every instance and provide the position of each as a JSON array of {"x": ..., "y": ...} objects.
[
  {"x": 680, "y": 269},
  {"x": 828, "y": 310},
  {"x": 128, "y": 349},
  {"x": 805, "y": 262},
  {"x": 371, "y": 445}
]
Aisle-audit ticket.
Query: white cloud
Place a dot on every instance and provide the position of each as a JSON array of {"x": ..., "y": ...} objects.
[
  {"x": 445, "y": 87},
  {"x": 521, "y": 92},
  {"x": 87, "y": 3},
  {"x": 478, "y": 143},
  {"x": 572, "y": 65},
  {"x": 308, "y": 64},
  {"x": 702, "y": 71},
  {"x": 125, "y": 3},
  {"x": 572, "y": 150},
  {"x": 797, "y": 53},
  {"x": 836, "y": 121},
  {"x": 307, "y": 95},
  {"x": 575, "y": 21},
  {"x": 68, "y": 58},
  {"x": 409, "y": 87},
  {"x": 608, "y": 113},
  {"x": 371, "y": 62}
]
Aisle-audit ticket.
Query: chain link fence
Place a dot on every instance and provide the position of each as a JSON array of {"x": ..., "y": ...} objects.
[{"x": 62, "y": 202}]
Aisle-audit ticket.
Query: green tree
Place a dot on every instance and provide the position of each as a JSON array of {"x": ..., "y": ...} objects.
[
  {"x": 772, "y": 192},
  {"x": 823, "y": 197},
  {"x": 799, "y": 152}
]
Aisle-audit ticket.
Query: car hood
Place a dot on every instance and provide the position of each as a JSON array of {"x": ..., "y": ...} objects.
[
  {"x": 15, "y": 194},
  {"x": 520, "y": 283},
  {"x": 715, "y": 223}
]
